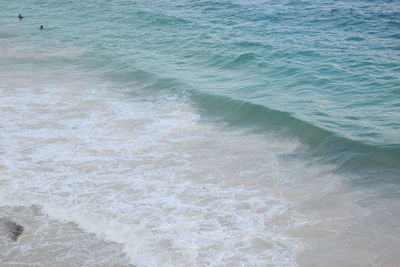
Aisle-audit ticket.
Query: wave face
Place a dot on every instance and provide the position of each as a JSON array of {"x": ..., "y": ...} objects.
[{"x": 200, "y": 133}]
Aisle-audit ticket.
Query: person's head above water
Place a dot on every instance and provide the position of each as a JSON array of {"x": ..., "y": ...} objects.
[
  {"x": 20, "y": 17},
  {"x": 41, "y": 27}
]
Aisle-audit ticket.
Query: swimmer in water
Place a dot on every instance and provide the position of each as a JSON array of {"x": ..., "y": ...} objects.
[
  {"x": 41, "y": 28},
  {"x": 20, "y": 17}
]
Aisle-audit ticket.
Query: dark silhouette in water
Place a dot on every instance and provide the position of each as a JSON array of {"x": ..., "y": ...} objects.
[
  {"x": 41, "y": 27},
  {"x": 10, "y": 229},
  {"x": 15, "y": 230},
  {"x": 20, "y": 17}
]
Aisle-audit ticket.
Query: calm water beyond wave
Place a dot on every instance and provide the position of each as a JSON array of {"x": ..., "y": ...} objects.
[{"x": 200, "y": 133}]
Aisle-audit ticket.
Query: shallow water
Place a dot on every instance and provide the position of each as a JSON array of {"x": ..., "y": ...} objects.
[{"x": 200, "y": 133}]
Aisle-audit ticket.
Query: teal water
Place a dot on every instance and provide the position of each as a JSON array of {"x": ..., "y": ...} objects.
[
  {"x": 321, "y": 75},
  {"x": 333, "y": 65}
]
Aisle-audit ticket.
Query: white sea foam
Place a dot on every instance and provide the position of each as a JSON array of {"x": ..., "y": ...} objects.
[{"x": 147, "y": 175}]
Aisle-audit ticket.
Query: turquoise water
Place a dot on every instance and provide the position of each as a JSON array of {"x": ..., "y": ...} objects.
[
  {"x": 320, "y": 78},
  {"x": 333, "y": 65}
]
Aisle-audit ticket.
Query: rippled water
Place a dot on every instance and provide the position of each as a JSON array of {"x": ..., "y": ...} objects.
[{"x": 200, "y": 133}]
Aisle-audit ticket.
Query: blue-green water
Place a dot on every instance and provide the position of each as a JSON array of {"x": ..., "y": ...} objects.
[
  {"x": 331, "y": 64},
  {"x": 324, "y": 75}
]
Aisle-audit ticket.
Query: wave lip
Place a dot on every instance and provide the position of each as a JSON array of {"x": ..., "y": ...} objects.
[{"x": 326, "y": 146}]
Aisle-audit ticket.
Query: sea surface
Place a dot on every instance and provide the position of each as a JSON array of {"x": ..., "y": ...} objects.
[{"x": 200, "y": 133}]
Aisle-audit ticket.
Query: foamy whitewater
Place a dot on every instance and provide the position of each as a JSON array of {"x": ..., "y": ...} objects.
[{"x": 199, "y": 133}]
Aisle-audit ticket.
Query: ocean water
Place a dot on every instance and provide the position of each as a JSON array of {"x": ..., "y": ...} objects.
[{"x": 200, "y": 133}]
